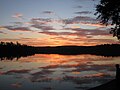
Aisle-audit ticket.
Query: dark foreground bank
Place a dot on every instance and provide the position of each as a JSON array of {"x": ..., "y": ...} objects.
[{"x": 112, "y": 85}]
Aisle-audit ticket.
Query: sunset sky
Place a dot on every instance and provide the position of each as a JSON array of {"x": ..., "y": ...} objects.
[{"x": 52, "y": 23}]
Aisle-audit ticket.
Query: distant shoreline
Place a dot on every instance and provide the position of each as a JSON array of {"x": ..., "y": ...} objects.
[
  {"x": 102, "y": 50},
  {"x": 18, "y": 50}
]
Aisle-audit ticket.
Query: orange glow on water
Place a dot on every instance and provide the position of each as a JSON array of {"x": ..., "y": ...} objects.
[{"x": 95, "y": 75}]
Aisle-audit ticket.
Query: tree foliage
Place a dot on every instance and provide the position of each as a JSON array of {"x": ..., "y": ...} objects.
[{"x": 108, "y": 12}]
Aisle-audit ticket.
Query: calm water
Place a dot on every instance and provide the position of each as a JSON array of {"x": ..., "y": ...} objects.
[{"x": 56, "y": 72}]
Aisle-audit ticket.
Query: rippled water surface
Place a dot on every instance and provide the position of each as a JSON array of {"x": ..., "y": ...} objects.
[{"x": 56, "y": 72}]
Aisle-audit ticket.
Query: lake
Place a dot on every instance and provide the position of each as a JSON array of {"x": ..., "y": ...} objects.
[{"x": 56, "y": 72}]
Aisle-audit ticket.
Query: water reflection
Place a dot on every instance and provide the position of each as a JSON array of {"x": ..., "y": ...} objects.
[{"x": 56, "y": 72}]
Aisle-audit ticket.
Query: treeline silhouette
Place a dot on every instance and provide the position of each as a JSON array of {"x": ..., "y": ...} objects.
[
  {"x": 103, "y": 50},
  {"x": 10, "y": 50}
]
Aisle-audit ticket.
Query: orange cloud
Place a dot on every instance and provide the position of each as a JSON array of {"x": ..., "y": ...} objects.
[
  {"x": 93, "y": 24},
  {"x": 2, "y": 27}
]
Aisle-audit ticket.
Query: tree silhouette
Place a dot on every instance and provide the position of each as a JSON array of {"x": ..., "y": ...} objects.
[
  {"x": 108, "y": 12},
  {"x": 10, "y": 50}
]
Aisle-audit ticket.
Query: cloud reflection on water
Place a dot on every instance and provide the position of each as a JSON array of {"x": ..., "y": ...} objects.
[{"x": 50, "y": 70}]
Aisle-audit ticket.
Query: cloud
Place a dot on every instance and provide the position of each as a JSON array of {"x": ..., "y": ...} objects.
[
  {"x": 21, "y": 29},
  {"x": 84, "y": 32},
  {"x": 40, "y": 21},
  {"x": 48, "y": 33},
  {"x": 55, "y": 33},
  {"x": 80, "y": 80},
  {"x": 94, "y": 24},
  {"x": 17, "y": 28},
  {"x": 2, "y": 27},
  {"x": 97, "y": 75},
  {"x": 48, "y": 12},
  {"x": 81, "y": 20},
  {"x": 78, "y": 32},
  {"x": 41, "y": 76},
  {"x": 69, "y": 34},
  {"x": 42, "y": 24},
  {"x": 80, "y": 67},
  {"x": 2, "y": 32},
  {"x": 93, "y": 67},
  {"x": 43, "y": 27},
  {"x": 83, "y": 12},
  {"x": 43, "y": 72},
  {"x": 18, "y": 23},
  {"x": 50, "y": 66},
  {"x": 18, "y": 16},
  {"x": 17, "y": 71},
  {"x": 69, "y": 21},
  {"x": 1, "y": 73},
  {"x": 41, "y": 79},
  {"x": 79, "y": 36}
]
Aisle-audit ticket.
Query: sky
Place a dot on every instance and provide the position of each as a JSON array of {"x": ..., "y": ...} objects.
[{"x": 52, "y": 23}]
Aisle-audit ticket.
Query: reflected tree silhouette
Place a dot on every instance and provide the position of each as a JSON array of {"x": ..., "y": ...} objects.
[{"x": 108, "y": 12}]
